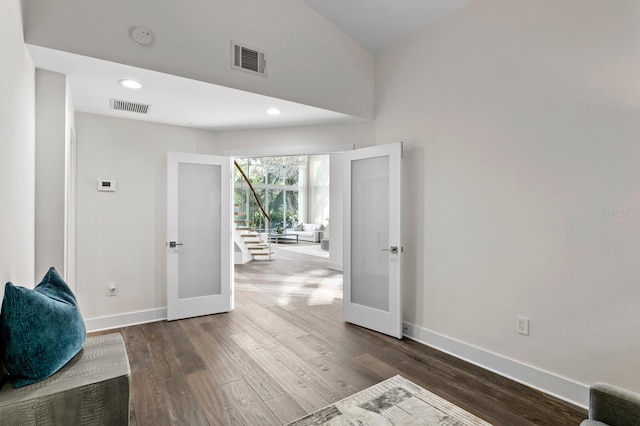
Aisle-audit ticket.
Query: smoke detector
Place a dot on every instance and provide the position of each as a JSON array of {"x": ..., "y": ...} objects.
[{"x": 142, "y": 36}]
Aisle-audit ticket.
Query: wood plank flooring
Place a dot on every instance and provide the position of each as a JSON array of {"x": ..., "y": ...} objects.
[{"x": 285, "y": 351}]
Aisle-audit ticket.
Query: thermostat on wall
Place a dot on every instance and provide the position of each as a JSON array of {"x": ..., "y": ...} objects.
[{"x": 106, "y": 185}]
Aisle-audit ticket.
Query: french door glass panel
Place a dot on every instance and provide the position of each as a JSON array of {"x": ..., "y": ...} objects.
[
  {"x": 369, "y": 260},
  {"x": 199, "y": 228}
]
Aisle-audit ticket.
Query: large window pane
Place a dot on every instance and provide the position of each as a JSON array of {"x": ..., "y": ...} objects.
[{"x": 275, "y": 180}]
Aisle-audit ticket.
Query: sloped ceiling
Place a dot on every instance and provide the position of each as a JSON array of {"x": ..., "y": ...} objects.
[
  {"x": 317, "y": 73},
  {"x": 378, "y": 24}
]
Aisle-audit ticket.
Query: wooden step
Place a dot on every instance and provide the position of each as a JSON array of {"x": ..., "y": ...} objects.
[
  {"x": 257, "y": 247},
  {"x": 249, "y": 234},
  {"x": 262, "y": 254}
]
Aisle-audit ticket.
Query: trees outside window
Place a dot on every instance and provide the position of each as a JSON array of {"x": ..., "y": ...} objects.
[{"x": 280, "y": 186}]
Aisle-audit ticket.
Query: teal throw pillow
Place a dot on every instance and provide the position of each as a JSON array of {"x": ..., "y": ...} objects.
[{"x": 42, "y": 329}]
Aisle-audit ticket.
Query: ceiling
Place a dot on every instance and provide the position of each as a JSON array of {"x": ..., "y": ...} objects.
[
  {"x": 378, "y": 24},
  {"x": 174, "y": 100},
  {"x": 374, "y": 24}
]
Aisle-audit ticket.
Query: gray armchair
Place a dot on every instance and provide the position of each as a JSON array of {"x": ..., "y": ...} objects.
[{"x": 612, "y": 406}]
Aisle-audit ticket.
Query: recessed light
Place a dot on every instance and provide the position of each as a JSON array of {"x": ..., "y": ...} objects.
[
  {"x": 130, "y": 84},
  {"x": 273, "y": 111}
]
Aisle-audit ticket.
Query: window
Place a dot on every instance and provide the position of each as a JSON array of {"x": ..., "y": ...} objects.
[{"x": 279, "y": 184}]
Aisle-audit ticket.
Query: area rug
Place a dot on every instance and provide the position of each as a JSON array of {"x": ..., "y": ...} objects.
[
  {"x": 310, "y": 249},
  {"x": 396, "y": 401}
]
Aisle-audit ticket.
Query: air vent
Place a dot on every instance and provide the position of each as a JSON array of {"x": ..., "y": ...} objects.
[
  {"x": 120, "y": 105},
  {"x": 248, "y": 59}
]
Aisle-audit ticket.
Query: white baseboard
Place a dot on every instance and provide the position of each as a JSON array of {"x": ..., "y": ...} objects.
[
  {"x": 123, "y": 320},
  {"x": 335, "y": 266},
  {"x": 552, "y": 384}
]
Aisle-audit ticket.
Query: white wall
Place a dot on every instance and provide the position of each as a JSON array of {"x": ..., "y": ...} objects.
[
  {"x": 70, "y": 188},
  {"x": 336, "y": 213},
  {"x": 17, "y": 150},
  {"x": 520, "y": 122},
  {"x": 263, "y": 140},
  {"x": 309, "y": 60},
  {"x": 52, "y": 144},
  {"x": 121, "y": 235},
  {"x": 296, "y": 138},
  {"x": 319, "y": 189}
]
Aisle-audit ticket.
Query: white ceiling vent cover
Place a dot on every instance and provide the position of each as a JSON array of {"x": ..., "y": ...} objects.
[
  {"x": 248, "y": 59},
  {"x": 120, "y": 105}
]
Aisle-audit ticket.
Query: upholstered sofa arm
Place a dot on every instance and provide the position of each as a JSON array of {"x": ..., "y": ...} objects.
[
  {"x": 90, "y": 390},
  {"x": 613, "y": 406}
]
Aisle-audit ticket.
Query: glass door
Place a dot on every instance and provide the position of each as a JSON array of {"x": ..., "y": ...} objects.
[
  {"x": 371, "y": 276},
  {"x": 199, "y": 247}
]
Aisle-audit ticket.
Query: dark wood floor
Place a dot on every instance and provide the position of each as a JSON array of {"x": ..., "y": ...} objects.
[{"x": 284, "y": 352}]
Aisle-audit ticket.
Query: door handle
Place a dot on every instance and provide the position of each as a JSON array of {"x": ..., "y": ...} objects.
[
  {"x": 173, "y": 244},
  {"x": 392, "y": 249}
]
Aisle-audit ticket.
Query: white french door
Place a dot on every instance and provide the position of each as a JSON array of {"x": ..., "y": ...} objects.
[
  {"x": 199, "y": 242},
  {"x": 372, "y": 246}
]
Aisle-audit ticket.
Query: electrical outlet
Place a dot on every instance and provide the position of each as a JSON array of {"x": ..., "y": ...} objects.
[
  {"x": 522, "y": 325},
  {"x": 113, "y": 290}
]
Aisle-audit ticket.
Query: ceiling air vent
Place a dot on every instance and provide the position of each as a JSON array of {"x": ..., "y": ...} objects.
[
  {"x": 120, "y": 105},
  {"x": 248, "y": 59}
]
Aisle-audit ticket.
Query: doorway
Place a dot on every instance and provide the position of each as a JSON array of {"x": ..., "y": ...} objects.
[
  {"x": 372, "y": 188},
  {"x": 282, "y": 208}
]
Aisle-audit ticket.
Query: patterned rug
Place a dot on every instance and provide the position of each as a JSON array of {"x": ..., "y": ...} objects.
[{"x": 396, "y": 401}]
